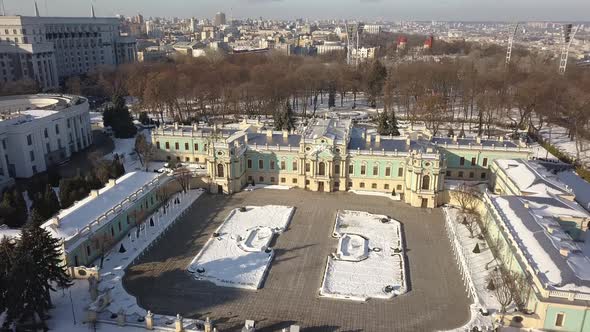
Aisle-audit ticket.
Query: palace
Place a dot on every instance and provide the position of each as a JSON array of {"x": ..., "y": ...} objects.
[{"x": 333, "y": 155}]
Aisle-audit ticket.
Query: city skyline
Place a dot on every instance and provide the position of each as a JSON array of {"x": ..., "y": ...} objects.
[{"x": 370, "y": 10}]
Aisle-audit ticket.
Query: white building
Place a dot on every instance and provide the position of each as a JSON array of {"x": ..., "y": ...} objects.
[
  {"x": 328, "y": 47},
  {"x": 372, "y": 28},
  {"x": 48, "y": 49},
  {"x": 37, "y": 131},
  {"x": 364, "y": 53}
]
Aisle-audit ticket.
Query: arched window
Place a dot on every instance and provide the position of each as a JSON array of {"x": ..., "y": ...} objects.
[
  {"x": 426, "y": 182},
  {"x": 322, "y": 168},
  {"x": 220, "y": 170}
]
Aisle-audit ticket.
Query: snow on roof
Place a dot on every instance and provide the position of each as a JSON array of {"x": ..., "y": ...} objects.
[
  {"x": 72, "y": 220},
  {"x": 532, "y": 178},
  {"x": 9, "y": 232},
  {"x": 540, "y": 237},
  {"x": 580, "y": 187}
]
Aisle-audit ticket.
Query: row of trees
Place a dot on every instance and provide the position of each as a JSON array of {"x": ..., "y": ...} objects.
[{"x": 30, "y": 269}]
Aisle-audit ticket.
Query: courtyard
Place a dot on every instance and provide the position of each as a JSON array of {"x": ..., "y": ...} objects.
[{"x": 290, "y": 293}]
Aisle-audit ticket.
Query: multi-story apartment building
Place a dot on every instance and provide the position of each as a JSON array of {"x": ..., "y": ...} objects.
[
  {"x": 38, "y": 131},
  {"x": 49, "y": 49},
  {"x": 332, "y": 155}
]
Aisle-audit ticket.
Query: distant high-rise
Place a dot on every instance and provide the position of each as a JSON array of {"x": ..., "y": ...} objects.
[
  {"x": 219, "y": 19},
  {"x": 50, "y": 49}
]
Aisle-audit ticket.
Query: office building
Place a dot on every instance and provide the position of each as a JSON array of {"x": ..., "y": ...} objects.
[{"x": 50, "y": 49}]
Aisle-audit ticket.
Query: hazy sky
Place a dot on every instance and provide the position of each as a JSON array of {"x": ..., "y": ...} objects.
[{"x": 497, "y": 10}]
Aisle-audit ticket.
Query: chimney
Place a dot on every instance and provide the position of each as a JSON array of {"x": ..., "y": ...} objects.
[
  {"x": 175, "y": 125},
  {"x": 368, "y": 138},
  {"x": 94, "y": 193},
  {"x": 564, "y": 251},
  {"x": 478, "y": 139},
  {"x": 285, "y": 134},
  {"x": 55, "y": 220},
  {"x": 501, "y": 139},
  {"x": 408, "y": 141},
  {"x": 246, "y": 138},
  {"x": 455, "y": 138},
  {"x": 269, "y": 133},
  {"x": 377, "y": 138},
  {"x": 195, "y": 127},
  {"x": 111, "y": 183}
]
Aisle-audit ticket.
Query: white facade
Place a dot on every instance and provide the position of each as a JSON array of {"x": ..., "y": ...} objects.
[
  {"x": 328, "y": 47},
  {"x": 47, "y": 49},
  {"x": 372, "y": 28},
  {"x": 37, "y": 131}
]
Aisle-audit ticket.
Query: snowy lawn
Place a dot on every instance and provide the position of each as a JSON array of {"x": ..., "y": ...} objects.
[
  {"x": 369, "y": 262},
  {"x": 238, "y": 254}
]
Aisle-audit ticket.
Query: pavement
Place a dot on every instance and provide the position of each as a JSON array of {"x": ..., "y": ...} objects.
[{"x": 436, "y": 299}]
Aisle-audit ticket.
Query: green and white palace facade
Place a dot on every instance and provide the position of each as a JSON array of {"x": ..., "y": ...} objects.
[{"x": 333, "y": 155}]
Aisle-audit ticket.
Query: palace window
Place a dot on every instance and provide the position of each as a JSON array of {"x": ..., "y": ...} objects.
[
  {"x": 485, "y": 162},
  {"x": 374, "y": 186},
  {"x": 283, "y": 180},
  {"x": 362, "y": 184},
  {"x": 282, "y": 164},
  {"x": 560, "y": 319},
  {"x": 220, "y": 170},
  {"x": 387, "y": 171},
  {"x": 426, "y": 182},
  {"x": 294, "y": 180},
  {"x": 386, "y": 186},
  {"x": 448, "y": 173},
  {"x": 249, "y": 163},
  {"x": 322, "y": 168},
  {"x": 158, "y": 145},
  {"x": 400, "y": 172},
  {"x": 471, "y": 175},
  {"x": 295, "y": 165},
  {"x": 473, "y": 161},
  {"x": 375, "y": 170},
  {"x": 196, "y": 146},
  {"x": 337, "y": 169},
  {"x": 307, "y": 167},
  {"x": 462, "y": 161},
  {"x": 363, "y": 169},
  {"x": 483, "y": 175},
  {"x": 272, "y": 164},
  {"x": 260, "y": 164},
  {"x": 186, "y": 146},
  {"x": 350, "y": 169}
]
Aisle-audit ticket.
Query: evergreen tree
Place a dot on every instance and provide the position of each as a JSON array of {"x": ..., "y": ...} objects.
[
  {"x": 451, "y": 132},
  {"x": 288, "y": 121},
  {"x": 393, "y": 126},
  {"x": 332, "y": 95},
  {"x": 375, "y": 80},
  {"x": 7, "y": 247},
  {"x": 119, "y": 119},
  {"x": 13, "y": 208},
  {"x": 383, "y": 124}
]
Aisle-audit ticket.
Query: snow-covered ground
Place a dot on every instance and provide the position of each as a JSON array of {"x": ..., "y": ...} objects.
[
  {"x": 70, "y": 306},
  {"x": 376, "y": 193},
  {"x": 557, "y": 136},
  {"x": 266, "y": 186},
  {"x": 238, "y": 255},
  {"x": 369, "y": 262},
  {"x": 475, "y": 268}
]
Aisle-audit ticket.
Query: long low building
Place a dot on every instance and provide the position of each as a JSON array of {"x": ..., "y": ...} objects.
[
  {"x": 333, "y": 155},
  {"x": 38, "y": 131},
  {"x": 92, "y": 225}
]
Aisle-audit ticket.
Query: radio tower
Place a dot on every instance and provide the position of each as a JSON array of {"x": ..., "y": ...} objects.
[
  {"x": 513, "y": 31},
  {"x": 569, "y": 33}
]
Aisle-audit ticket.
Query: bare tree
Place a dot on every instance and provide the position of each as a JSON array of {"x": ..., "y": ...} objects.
[
  {"x": 500, "y": 289},
  {"x": 145, "y": 150},
  {"x": 467, "y": 197},
  {"x": 183, "y": 176}
]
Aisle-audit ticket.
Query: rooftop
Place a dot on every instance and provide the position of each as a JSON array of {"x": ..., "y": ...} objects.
[
  {"x": 532, "y": 178},
  {"x": 533, "y": 223},
  {"x": 31, "y": 107},
  {"x": 71, "y": 221}
]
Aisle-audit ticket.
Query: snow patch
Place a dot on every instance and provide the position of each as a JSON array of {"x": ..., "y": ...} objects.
[{"x": 238, "y": 254}]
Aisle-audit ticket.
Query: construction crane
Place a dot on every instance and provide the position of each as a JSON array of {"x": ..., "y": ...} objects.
[
  {"x": 513, "y": 32},
  {"x": 569, "y": 33}
]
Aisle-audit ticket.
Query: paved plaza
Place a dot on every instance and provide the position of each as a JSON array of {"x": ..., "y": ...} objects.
[{"x": 436, "y": 299}]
